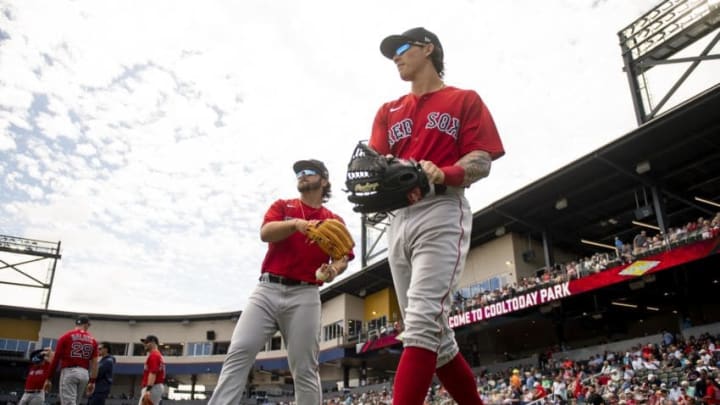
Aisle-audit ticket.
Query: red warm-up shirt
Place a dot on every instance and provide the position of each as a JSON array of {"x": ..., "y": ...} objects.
[
  {"x": 155, "y": 363},
  {"x": 294, "y": 257},
  {"x": 37, "y": 375},
  {"x": 74, "y": 349},
  {"x": 441, "y": 127}
]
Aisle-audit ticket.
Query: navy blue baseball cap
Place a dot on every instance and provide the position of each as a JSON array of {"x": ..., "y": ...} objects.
[
  {"x": 389, "y": 45},
  {"x": 312, "y": 164},
  {"x": 37, "y": 356},
  {"x": 82, "y": 320},
  {"x": 150, "y": 338}
]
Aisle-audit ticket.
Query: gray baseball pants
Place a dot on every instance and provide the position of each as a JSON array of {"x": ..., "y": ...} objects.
[
  {"x": 295, "y": 312},
  {"x": 32, "y": 398},
  {"x": 428, "y": 243},
  {"x": 73, "y": 382},
  {"x": 155, "y": 393}
]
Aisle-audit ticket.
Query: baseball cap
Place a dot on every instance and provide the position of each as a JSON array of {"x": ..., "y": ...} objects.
[
  {"x": 419, "y": 34},
  {"x": 82, "y": 320},
  {"x": 312, "y": 164},
  {"x": 37, "y": 356},
  {"x": 151, "y": 338}
]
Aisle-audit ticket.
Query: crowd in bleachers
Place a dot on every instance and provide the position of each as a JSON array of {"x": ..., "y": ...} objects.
[
  {"x": 642, "y": 245},
  {"x": 672, "y": 371}
]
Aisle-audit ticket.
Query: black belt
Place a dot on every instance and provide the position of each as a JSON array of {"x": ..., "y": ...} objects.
[
  {"x": 74, "y": 367},
  {"x": 272, "y": 278},
  {"x": 33, "y": 391},
  {"x": 440, "y": 189}
]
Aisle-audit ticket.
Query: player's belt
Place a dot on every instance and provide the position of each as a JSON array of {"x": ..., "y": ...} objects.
[
  {"x": 272, "y": 278},
  {"x": 33, "y": 391}
]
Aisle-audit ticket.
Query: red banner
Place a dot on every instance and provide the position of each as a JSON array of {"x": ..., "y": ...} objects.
[
  {"x": 648, "y": 265},
  {"x": 379, "y": 343}
]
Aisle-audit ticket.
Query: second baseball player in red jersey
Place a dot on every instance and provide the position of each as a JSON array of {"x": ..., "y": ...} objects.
[
  {"x": 153, "y": 378},
  {"x": 451, "y": 133},
  {"x": 287, "y": 299},
  {"x": 77, "y": 355},
  {"x": 35, "y": 387}
]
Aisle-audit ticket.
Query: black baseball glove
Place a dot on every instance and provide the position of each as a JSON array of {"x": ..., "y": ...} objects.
[{"x": 376, "y": 183}]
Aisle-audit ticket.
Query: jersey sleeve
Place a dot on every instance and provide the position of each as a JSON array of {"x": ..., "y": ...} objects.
[
  {"x": 379, "y": 135},
  {"x": 478, "y": 131},
  {"x": 60, "y": 349},
  {"x": 276, "y": 212}
]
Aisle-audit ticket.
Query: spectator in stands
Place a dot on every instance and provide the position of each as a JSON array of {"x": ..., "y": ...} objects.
[
  {"x": 640, "y": 242},
  {"x": 559, "y": 389},
  {"x": 712, "y": 391},
  {"x": 674, "y": 391},
  {"x": 35, "y": 383},
  {"x": 593, "y": 397},
  {"x": 668, "y": 338},
  {"x": 701, "y": 384},
  {"x": 619, "y": 246},
  {"x": 684, "y": 398},
  {"x": 515, "y": 381},
  {"x": 104, "y": 379}
]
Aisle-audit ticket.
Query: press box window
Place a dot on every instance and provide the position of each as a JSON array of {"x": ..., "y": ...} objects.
[{"x": 199, "y": 349}]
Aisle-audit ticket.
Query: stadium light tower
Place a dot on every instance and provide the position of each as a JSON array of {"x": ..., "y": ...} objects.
[
  {"x": 652, "y": 39},
  {"x": 18, "y": 254}
]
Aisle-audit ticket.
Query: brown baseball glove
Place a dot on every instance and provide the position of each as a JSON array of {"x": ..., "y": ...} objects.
[
  {"x": 332, "y": 237},
  {"x": 146, "y": 399}
]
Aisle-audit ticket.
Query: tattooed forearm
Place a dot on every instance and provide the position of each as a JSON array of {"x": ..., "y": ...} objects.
[{"x": 476, "y": 164}]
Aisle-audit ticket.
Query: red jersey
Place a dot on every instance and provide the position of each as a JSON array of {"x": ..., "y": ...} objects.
[
  {"x": 74, "y": 349},
  {"x": 155, "y": 363},
  {"x": 36, "y": 376},
  {"x": 441, "y": 127},
  {"x": 294, "y": 257}
]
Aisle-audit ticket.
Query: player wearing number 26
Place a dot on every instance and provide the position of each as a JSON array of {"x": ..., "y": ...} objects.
[{"x": 77, "y": 355}]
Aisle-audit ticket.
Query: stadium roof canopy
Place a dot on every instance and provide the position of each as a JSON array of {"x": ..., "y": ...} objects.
[{"x": 677, "y": 154}]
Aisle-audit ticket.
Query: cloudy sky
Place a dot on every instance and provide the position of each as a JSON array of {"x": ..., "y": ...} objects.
[{"x": 150, "y": 137}]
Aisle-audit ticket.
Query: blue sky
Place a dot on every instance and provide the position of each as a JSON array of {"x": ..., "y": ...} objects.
[{"x": 150, "y": 137}]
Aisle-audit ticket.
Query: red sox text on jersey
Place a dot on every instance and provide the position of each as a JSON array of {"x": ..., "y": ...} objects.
[{"x": 443, "y": 122}]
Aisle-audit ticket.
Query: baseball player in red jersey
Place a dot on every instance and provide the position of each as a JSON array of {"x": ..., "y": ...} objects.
[
  {"x": 287, "y": 298},
  {"x": 35, "y": 387},
  {"x": 153, "y": 378},
  {"x": 77, "y": 355},
  {"x": 452, "y": 134}
]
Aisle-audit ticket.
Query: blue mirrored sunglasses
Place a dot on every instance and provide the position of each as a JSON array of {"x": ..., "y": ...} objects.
[
  {"x": 404, "y": 47},
  {"x": 306, "y": 172}
]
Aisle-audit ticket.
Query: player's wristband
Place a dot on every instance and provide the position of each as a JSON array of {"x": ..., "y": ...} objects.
[
  {"x": 92, "y": 380},
  {"x": 148, "y": 387},
  {"x": 454, "y": 175}
]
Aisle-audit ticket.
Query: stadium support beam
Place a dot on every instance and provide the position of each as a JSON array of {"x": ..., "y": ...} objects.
[
  {"x": 648, "y": 182},
  {"x": 372, "y": 223},
  {"x": 652, "y": 39},
  {"x": 18, "y": 253}
]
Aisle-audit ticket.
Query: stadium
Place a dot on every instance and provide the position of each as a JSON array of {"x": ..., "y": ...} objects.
[{"x": 581, "y": 270}]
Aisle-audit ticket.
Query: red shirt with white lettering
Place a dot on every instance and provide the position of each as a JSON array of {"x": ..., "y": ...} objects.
[
  {"x": 441, "y": 127},
  {"x": 155, "y": 363},
  {"x": 74, "y": 349},
  {"x": 36, "y": 376},
  {"x": 294, "y": 257}
]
